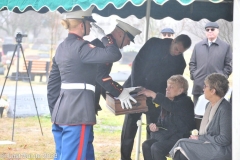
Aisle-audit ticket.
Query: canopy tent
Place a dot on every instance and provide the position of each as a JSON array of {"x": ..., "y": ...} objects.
[{"x": 195, "y": 10}]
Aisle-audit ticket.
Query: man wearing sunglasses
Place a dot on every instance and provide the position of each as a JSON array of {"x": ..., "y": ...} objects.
[
  {"x": 211, "y": 55},
  {"x": 167, "y": 33}
]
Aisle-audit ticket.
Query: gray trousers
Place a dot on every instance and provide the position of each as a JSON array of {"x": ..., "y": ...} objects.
[{"x": 179, "y": 156}]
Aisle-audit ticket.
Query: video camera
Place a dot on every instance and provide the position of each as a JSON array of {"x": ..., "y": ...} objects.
[{"x": 19, "y": 37}]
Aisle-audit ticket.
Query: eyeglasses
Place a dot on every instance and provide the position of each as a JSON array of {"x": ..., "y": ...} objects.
[
  {"x": 210, "y": 29},
  {"x": 205, "y": 86}
]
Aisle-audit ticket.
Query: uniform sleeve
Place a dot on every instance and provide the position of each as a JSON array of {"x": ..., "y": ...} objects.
[
  {"x": 97, "y": 43},
  {"x": 225, "y": 126},
  {"x": 106, "y": 81},
  {"x": 92, "y": 54},
  {"x": 193, "y": 64},
  {"x": 228, "y": 62},
  {"x": 53, "y": 86}
]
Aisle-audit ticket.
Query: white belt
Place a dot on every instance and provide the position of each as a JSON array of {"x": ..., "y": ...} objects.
[{"x": 78, "y": 86}]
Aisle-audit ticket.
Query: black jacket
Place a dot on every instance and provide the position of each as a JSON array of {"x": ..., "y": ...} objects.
[
  {"x": 154, "y": 65},
  {"x": 180, "y": 118}
]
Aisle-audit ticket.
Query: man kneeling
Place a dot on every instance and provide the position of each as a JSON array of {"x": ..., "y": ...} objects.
[{"x": 176, "y": 119}]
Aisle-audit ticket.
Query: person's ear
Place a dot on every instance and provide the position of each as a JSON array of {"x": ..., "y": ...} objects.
[
  {"x": 81, "y": 25},
  {"x": 180, "y": 91},
  {"x": 213, "y": 91},
  {"x": 121, "y": 33}
]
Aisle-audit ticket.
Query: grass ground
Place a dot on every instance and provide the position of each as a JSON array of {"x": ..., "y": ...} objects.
[{"x": 30, "y": 143}]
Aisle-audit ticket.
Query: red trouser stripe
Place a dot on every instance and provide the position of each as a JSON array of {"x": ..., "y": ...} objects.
[{"x": 81, "y": 143}]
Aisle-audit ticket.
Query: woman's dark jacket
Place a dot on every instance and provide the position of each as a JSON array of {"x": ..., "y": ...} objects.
[{"x": 179, "y": 119}]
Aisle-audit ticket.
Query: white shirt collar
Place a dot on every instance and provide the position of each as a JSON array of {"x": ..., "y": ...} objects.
[{"x": 212, "y": 41}]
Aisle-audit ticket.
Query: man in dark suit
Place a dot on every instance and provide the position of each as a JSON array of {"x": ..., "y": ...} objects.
[{"x": 155, "y": 63}]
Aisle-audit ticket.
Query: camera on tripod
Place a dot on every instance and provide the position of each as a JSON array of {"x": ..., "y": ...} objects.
[
  {"x": 18, "y": 49},
  {"x": 19, "y": 37}
]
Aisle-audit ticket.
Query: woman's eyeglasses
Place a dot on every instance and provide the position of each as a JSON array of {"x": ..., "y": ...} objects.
[
  {"x": 205, "y": 86},
  {"x": 210, "y": 29}
]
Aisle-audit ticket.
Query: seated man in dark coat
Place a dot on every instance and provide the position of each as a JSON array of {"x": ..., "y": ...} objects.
[{"x": 176, "y": 118}]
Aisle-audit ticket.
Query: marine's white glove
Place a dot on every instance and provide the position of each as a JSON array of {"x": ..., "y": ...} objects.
[
  {"x": 125, "y": 98},
  {"x": 99, "y": 32}
]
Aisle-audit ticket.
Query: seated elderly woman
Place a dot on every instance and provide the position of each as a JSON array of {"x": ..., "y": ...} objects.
[
  {"x": 215, "y": 137},
  {"x": 176, "y": 119}
]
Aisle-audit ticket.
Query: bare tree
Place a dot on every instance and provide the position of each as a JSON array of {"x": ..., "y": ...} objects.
[
  {"x": 156, "y": 26},
  {"x": 6, "y": 24},
  {"x": 226, "y": 31},
  {"x": 28, "y": 22}
]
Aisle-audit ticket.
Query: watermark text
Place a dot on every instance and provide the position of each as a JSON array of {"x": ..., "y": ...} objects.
[{"x": 27, "y": 155}]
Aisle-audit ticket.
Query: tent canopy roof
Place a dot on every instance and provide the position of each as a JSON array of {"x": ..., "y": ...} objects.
[{"x": 177, "y": 9}]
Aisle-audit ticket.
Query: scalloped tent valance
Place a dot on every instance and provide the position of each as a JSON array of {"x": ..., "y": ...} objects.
[{"x": 177, "y": 9}]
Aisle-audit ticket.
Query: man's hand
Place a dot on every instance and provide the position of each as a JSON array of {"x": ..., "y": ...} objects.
[
  {"x": 153, "y": 127},
  {"x": 125, "y": 98},
  {"x": 99, "y": 32}
]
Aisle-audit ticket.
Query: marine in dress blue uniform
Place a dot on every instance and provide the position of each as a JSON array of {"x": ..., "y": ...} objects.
[
  {"x": 123, "y": 34},
  {"x": 71, "y": 87}
]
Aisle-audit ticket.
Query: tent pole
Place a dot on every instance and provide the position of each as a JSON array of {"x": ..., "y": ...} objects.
[
  {"x": 148, "y": 9},
  {"x": 139, "y": 131},
  {"x": 145, "y": 40},
  {"x": 236, "y": 83}
]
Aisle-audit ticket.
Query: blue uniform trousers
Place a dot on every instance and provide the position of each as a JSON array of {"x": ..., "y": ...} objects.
[{"x": 73, "y": 142}]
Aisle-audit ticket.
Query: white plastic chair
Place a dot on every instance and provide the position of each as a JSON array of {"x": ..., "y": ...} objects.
[{"x": 201, "y": 103}]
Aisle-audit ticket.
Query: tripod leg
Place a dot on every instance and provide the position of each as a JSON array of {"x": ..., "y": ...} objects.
[
  {"x": 15, "y": 88},
  {"x": 15, "y": 102},
  {"x": 16, "y": 78},
  {"x": 31, "y": 88},
  {"x": 8, "y": 70}
]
